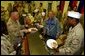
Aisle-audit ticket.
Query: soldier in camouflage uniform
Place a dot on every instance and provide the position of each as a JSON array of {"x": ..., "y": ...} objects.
[
  {"x": 74, "y": 43},
  {"x": 13, "y": 26}
]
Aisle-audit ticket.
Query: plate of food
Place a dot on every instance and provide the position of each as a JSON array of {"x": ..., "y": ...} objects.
[
  {"x": 52, "y": 43},
  {"x": 24, "y": 30},
  {"x": 32, "y": 30}
]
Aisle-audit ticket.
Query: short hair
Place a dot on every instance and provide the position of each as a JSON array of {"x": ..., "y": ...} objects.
[
  {"x": 52, "y": 12},
  {"x": 14, "y": 11},
  {"x": 41, "y": 4}
]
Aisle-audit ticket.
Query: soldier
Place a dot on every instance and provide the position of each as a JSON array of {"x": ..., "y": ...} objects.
[
  {"x": 6, "y": 47},
  {"x": 13, "y": 26},
  {"x": 75, "y": 37}
]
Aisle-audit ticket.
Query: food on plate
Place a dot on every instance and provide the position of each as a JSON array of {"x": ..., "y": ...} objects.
[
  {"x": 54, "y": 44},
  {"x": 51, "y": 43},
  {"x": 33, "y": 29}
]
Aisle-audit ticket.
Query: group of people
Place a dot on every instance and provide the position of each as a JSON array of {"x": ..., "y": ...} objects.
[
  {"x": 18, "y": 20},
  {"x": 12, "y": 29},
  {"x": 73, "y": 41}
]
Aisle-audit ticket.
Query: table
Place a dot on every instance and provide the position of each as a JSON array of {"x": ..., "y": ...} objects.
[
  {"x": 33, "y": 45},
  {"x": 36, "y": 45}
]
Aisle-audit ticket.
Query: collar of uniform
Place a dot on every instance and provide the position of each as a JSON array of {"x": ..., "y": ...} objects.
[
  {"x": 74, "y": 28},
  {"x": 14, "y": 21},
  {"x": 2, "y": 38}
]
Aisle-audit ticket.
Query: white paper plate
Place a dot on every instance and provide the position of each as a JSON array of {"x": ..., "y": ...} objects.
[
  {"x": 30, "y": 30},
  {"x": 24, "y": 30},
  {"x": 50, "y": 43}
]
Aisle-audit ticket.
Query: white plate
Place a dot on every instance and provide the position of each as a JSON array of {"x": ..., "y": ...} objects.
[
  {"x": 24, "y": 30},
  {"x": 50, "y": 43},
  {"x": 30, "y": 30}
]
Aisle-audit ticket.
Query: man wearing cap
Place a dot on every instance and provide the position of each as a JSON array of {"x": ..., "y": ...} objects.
[{"x": 75, "y": 37}]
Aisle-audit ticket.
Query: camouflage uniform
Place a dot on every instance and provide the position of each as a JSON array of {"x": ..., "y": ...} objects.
[
  {"x": 74, "y": 42},
  {"x": 13, "y": 29},
  {"x": 6, "y": 47}
]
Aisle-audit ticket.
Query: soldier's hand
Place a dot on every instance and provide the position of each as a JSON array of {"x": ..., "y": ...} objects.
[{"x": 56, "y": 49}]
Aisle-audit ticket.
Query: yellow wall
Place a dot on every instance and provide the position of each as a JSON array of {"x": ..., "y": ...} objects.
[{"x": 65, "y": 8}]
